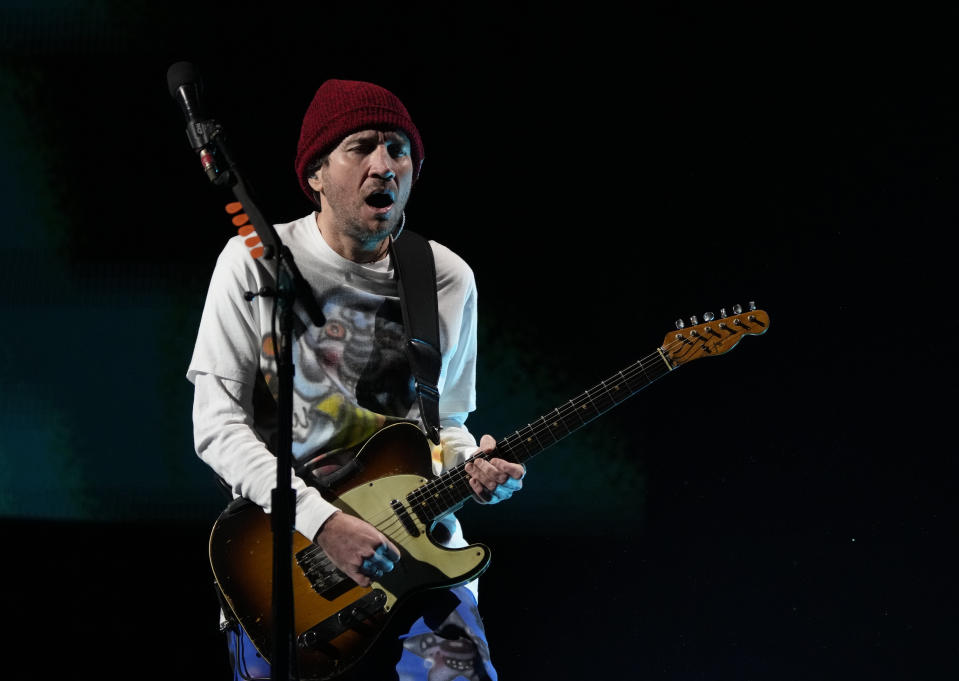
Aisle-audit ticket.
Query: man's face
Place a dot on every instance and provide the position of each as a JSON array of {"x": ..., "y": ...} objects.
[{"x": 366, "y": 183}]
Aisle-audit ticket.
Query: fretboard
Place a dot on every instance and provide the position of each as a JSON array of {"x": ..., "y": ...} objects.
[{"x": 448, "y": 491}]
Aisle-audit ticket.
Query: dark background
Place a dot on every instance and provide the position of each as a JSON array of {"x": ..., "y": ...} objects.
[{"x": 784, "y": 511}]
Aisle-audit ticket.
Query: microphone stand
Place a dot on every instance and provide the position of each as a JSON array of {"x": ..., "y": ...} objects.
[{"x": 209, "y": 140}]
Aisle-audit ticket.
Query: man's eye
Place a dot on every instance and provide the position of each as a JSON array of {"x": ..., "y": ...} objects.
[{"x": 399, "y": 151}]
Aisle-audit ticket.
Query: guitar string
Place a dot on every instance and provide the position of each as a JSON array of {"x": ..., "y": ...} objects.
[
  {"x": 537, "y": 430},
  {"x": 458, "y": 475},
  {"x": 388, "y": 520}
]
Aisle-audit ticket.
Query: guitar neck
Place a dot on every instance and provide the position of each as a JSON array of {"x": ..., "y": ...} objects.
[
  {"x": 566, "y": 419},
  {"x": 448, "y": 491}
]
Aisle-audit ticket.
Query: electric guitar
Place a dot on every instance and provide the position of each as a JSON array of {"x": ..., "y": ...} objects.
[{"x": 336, "y": 621}]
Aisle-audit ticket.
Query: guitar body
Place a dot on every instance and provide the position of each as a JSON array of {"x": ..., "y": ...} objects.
[{"x": 335, "y": 620}]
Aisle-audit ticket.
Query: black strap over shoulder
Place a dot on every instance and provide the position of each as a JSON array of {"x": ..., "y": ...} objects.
[{"x": 416, "y": 276}]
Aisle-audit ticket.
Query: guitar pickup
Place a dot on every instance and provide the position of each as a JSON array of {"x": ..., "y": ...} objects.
[{"x": 404, "y": 517}]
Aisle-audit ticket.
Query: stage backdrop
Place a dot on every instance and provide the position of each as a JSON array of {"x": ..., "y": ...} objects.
[{"x": 784, "y": 511}]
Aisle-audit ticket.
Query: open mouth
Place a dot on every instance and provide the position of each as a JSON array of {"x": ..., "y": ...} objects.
[{"x": 381, "y": 200}]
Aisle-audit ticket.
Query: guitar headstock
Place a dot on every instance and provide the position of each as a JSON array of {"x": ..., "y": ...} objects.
[{"x": 715, "y": 336}]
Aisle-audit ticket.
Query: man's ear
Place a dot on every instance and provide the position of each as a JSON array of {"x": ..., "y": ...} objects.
[{"x": 314, "y": 182}]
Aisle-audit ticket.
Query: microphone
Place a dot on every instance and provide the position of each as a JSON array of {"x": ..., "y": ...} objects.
[{"x": 186, "y": 86}]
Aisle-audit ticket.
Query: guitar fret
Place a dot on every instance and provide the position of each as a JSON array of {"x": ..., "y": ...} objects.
[
  {"x": 443, "y": 493},
  {"x": 444, "y": 498},
  {"x": 548, "y": 429},
  {"x": 529, "y": 446},
  {"x": 661, "y": 371},
  {"x": 560, "y": 420},
  {"x": 588, "y": 407},
  {"x": 428, "y": 501},
  {"x": 604, "y": 398},
  {"x": 520, "y": 440},
  {"x": 637, "y": 384},
  {"x": 575, "y": 412},
  {"x": 535, "y": 437}
]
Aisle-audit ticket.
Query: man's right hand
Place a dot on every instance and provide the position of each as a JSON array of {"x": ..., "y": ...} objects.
[{"x": 357, "y": 548}]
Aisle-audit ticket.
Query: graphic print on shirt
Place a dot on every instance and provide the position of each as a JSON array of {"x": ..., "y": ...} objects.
[
  {"x": 352, "y": 377},
  {"x": 454, "y": 651}
]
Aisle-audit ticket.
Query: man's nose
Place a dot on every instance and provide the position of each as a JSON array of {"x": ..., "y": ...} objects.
[{"x": 382, "y": 165}]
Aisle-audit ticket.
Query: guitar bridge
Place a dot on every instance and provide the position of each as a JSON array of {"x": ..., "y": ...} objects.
[{"x": 323, "y": 576}]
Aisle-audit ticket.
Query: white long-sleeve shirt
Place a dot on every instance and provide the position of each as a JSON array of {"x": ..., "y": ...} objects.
[{"x": 351, "y": 374}]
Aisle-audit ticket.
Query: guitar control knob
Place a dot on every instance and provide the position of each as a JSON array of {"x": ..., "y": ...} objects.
[
  {"x": 737, "y": 309},
  {"x": 680, "y": 324},
  {"x": 708, "y": 316}
]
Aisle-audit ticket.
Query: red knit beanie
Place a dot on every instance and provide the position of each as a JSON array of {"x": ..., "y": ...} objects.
[{"x": 342, "y": 107}]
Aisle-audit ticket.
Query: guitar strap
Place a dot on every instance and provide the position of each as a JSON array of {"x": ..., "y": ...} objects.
[{"x": 416, "y": 280}]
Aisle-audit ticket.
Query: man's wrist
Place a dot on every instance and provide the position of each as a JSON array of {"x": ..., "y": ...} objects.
[{"x": 323, "y": 524}]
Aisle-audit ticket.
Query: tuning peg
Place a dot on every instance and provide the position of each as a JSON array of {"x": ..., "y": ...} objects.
[
  {"x": 752, "y": 305},
  {"x": 680, "y": 324},
  {"x": 708, "y": 316},
  {"x": 693, "y": 320},
  {"x": 737, "y": 309},
  {"x": 722, "y": 313}
]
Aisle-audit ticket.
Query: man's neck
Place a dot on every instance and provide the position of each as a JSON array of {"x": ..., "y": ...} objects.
[{"x": 349, "y": 247}]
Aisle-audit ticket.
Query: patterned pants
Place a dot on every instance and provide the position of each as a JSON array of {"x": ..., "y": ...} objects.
[{"x": 452, "y": 646}]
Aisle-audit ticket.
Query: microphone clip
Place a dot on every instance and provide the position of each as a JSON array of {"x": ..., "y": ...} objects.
[{"x": 202, "y": 136}]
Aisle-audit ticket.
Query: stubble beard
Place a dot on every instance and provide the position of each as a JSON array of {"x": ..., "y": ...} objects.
[{"x": 350, "y": 222}]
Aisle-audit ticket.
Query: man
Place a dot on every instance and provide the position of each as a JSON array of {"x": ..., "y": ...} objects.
[{"x": 358, "y": 156}]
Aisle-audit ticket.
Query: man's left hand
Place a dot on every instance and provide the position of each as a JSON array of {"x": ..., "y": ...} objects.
[{"x": 494, "y": 480}]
